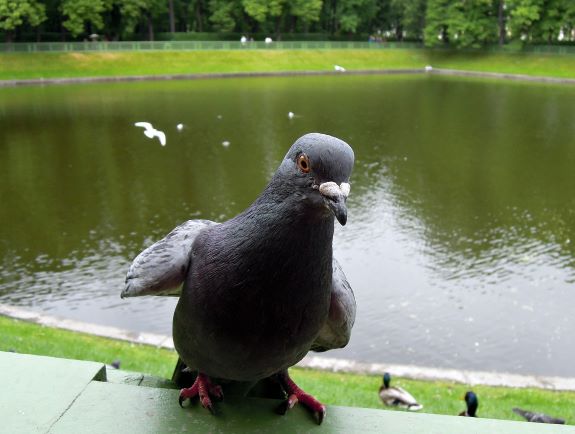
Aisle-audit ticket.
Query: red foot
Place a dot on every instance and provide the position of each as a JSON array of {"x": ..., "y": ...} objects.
[
  {"x": 295, "y": 395},
  {"x": 203, "y": 388}
]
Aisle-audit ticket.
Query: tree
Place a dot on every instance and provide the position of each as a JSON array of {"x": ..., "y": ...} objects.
[
  {"x": 352, "y": 14},
  {"x": 435, "y": 32},
  {"x": 13, "y": 14},
  {"x": 262, "y": 10},
  {"x": 81, "y": 13},
  {"x": 223, "y": 15},
  {"x": 471, "y": 24},
  {"x": 522, "y": 15},
  {"x": 407, "y": 17},
  {"x": 551, "y": 20},
  {"x": 306, "y": 10},
  {"x": 461, "y": 23}
]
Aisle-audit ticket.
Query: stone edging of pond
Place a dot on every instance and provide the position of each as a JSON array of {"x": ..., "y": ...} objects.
[
  {"x": 439, "y": 71},
  {"x": 313, "y": 362}
]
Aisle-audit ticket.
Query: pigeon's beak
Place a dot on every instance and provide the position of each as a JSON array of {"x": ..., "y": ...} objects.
[{"x": 335, "y": 196}]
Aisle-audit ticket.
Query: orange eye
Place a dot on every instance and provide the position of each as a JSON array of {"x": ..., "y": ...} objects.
[{"x": 303, "y": 163}]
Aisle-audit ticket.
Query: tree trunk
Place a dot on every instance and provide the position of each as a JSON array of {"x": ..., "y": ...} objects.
[
  {"x": 501, "y": 21},
  {"x": 278, "y": 27},
  {"x": 172, "y": 17},
  {"x": 399, "y": 33},
  {"x": 150, "y": 28},
  {"x": 199, "y": 24}
]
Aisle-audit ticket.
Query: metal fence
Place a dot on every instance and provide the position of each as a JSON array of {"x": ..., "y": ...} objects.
[
  {"x": 196, "y": 45},
  {"x": 32, "y": 47}
]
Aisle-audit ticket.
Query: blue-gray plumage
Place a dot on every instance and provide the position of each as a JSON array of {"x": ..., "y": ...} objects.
[
  {"x": 261, "y": 289},
  {"x": 531, "y": 416}
]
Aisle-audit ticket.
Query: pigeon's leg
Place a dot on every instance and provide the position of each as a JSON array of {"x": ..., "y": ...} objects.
[
  {"x": 295, "y": 395},
  {"x": 203, "y": 388}
]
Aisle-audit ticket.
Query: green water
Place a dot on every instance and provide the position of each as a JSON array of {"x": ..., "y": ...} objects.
[{"x": 460, "y": 243}]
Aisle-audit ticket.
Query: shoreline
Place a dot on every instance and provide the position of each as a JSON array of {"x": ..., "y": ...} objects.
[
  {"x": 204, "y": 76},
  {"x": 471, "y": 378}
]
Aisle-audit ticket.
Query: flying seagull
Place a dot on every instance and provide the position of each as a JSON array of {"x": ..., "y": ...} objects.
[
  {"x": 261, "y": 289},
  {"x": 151, "y": 132},
  {"x": 538, "y": 417},
  {"x": 394, "y": 396}
]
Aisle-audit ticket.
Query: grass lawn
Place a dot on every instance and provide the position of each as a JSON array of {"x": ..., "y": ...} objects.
[
  {"x": 93, "y": 64},
  {"x": 330, "y": 388}
]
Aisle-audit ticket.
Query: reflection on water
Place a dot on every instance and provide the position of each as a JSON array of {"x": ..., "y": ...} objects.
[{"x": 461, "y": 233}]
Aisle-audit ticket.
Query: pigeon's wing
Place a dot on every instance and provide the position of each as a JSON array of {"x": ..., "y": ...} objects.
[
  {"x": 162, "y": 267},
  {"x": 336, "y": 331}
]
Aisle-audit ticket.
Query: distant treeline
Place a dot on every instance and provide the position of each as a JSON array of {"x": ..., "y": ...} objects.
[{"x": 456, "y": 23}]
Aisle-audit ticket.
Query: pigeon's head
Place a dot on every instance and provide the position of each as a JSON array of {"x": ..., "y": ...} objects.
[{"x": 319, "y": 167}]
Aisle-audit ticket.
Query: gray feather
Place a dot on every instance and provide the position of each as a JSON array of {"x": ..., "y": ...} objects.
[
  {"x": 531, "y": 416},
  {"x": 262, "y": 289},
  {"x": 336, "y": 331},
  {"x": 161, "y": 268}
]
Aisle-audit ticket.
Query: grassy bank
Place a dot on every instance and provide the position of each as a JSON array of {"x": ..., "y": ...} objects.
[
  {"x": 79, "y": 64},
  {"x": 331, "y": 388}
]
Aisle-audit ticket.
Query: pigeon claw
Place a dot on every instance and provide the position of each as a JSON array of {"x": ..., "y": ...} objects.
[
  {"x": 288, "y": 404},
  {"x": 202, "y": 388},
  {"x": 295, "y": 395},
  {"x": 319, "y": 415}
]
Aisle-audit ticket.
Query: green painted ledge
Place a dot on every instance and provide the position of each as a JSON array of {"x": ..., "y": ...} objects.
[{"x": 49, "y": 395}]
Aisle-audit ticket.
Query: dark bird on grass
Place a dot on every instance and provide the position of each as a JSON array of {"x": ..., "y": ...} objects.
[
  {"x": 471, "y": 403},
  {"x": 262, "y": 289},
  {"x": 537, "y": 417},
  {"x": 394, "y": 396}
]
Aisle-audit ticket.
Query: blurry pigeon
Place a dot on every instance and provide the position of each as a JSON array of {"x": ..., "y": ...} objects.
[
  {"x": 537, "y": 417},
  {"x": 262, "y": 289},
  {"x": 394, "y": 396},
  {"x": 471, "y": 403}
]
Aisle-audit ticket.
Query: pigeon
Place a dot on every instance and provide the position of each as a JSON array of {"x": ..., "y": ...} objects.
[
  {"x": 472, "y": 403},
  {"x": 538, "y": 417},
  {"x": 257, "y": 292},
  {"x": 394, "y": 396},
  {"x": 151, "y": 132}
]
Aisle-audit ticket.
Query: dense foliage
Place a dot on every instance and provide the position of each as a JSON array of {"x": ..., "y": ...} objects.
[{"x": 458, "y": 23}]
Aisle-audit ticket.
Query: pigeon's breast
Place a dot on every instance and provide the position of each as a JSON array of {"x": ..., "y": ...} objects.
[{"x": 250, "y": 309}]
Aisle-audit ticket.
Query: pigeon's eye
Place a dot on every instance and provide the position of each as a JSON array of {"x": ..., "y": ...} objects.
[{"x": 303, "y": 163}]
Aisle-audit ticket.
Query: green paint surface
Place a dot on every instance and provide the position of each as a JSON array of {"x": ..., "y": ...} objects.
[{"x": 36, "y": 391}]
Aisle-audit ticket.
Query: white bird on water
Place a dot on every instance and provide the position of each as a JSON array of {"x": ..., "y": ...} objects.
[
  {"x": 151, "y": 132},
  {"x": 291, "y": 115},
  {"x": 180, "y": 127}
]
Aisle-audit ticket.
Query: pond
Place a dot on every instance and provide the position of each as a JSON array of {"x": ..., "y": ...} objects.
[{"x": 460, "y": 242}]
